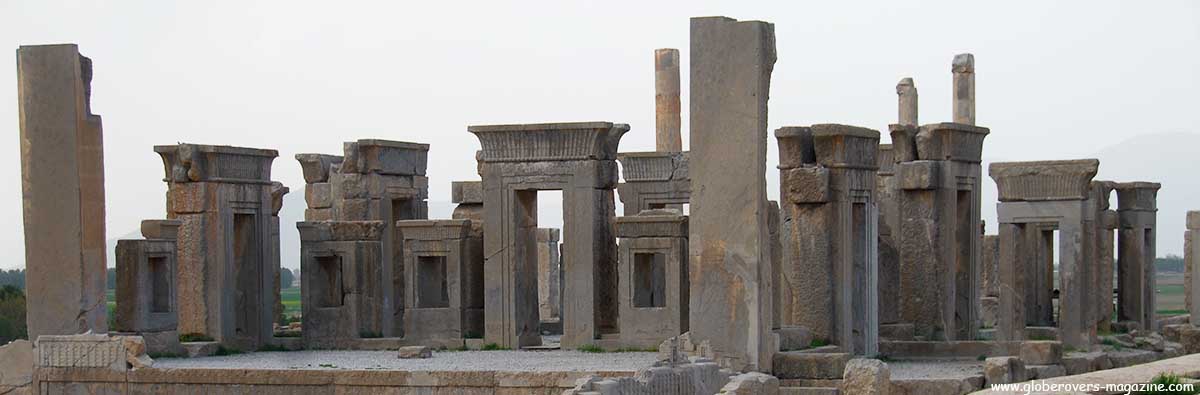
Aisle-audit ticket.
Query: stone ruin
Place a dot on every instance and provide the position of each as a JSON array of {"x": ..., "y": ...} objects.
[
  {"x": 515, "y": 163},
  {"x": 875, "y": 250},
  {"x": 225, "y": 201}
]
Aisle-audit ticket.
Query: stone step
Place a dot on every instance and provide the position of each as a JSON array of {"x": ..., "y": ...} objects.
[
  {"x": 808, "y": 391},
  {"x": 804, "y": 365}
]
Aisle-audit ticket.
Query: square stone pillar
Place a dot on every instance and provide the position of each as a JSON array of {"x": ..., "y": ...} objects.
[
  {"x": 830, "y": 234},
  {"x": 940, "y": 242},
  {"x": 1191, "y": 259},
  {"x": 729, "y": 242},
  {"x": 62, "y": 186},
  {"x": 549, "y": 291},
  {"x": 1105, "y": 262},
  {"x": 436, "y": 270},
  {"x": 653, "y": 262},
  {"x": 469, "y": 197},
  {"x": 1137, "y": 209},
  {"x": 341, "y": 273},
  {"x": 226, "y": 276},
  {"x": 146, "y": 272}
]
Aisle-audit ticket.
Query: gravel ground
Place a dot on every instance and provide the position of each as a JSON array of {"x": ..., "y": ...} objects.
[
  {"x": 934, "y": 369},
  {"x": 520, "y": 361}
]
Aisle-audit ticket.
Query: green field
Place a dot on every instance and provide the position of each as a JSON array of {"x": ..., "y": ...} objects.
[
  {"x": 1170, "y": 297},
  {"x": 289, "y": 296}
]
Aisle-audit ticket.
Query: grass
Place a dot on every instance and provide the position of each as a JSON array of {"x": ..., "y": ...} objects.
[
  {"x": 1112, "y": 343},
  {"x": 194, "y": 337},
  {"x": 290, "y": 297},
  {"x": 592, "y": 348},
  {"x": 818, "y": 343},
  {"x": 1168, "y": 379},
  {"x": 223, "y": 351},
  {"x": 493, "y": 347},
  {"x": 369, "y": 335}
]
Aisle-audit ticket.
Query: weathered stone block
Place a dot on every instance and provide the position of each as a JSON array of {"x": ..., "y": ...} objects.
[
  {"x": 1080, "y": 363},
  {"x": 1043, "y": 372},
  {"x": 1193, "y": 220},
  {"x": 316, "y": 166},
  {"x": 389, "y": 157},
  {"x": 1041, "y": 352},
  {"x": 146, "y": 284},
  {"x": 1004, "y": 370},
  {"x": 466, "y": 192},
  {"x": 1142, "y": 196},
  {"x": 951, "y": 141},
  {"x": 16, "y": 364},
  {"x": 919, "y": 174},
  {"x": 866, "y": 377},
  {"x": 161, "y": 229},
  {"x": 795, "y": 146},
  {"x": 810, "y": 365},
  {"x": 415, "y": 352},
  {"x": 318, "y": 195},
  {"x": 844, "y": 146},
  {"x": 81, "y": 351},
  {"x": 319, "y": 214},
  {"x": 794, "y": 338},
  {"x": 807, "y": 184}
]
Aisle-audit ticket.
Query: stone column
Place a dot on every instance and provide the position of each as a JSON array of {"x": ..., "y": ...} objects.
[
  {"x": 729, "y": 241},
  {"x": 666, "y": 100},
  {"x": 548, "y": 287},
  {"x": 1136, "y": 209},
  {"x": 1191, "y": 259},
  {"x": 1105, "y": 224},
  {"x": 907, "y": 91},
  {"x": 62, "y": 184},
  {"x": 964, "y": 88}
]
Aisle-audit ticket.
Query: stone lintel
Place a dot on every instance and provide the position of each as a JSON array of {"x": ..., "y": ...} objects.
[
  {"x": 340, "y": 230},
  {"x": 316, "y": 166},
  {"x": 795, "y": 146},
  {"x": 1063, "y": 212},
  {"x": 1108, "y": 219},
  {"x": 466, "y": 192},
  {"x": 806, "y": 184},
  {"x": 161, "y": 228},
  {"x": 652, "y": 223},
  {"x": 549, "y": 141},
  {"x": 434, "y": 229},
  {"x": 951, "y": 141},
  {"x": 216, "y": 163},
  {"x": 385, "y": 157},
  {"x": 1138, "y": 195},
  {"x": 653, "y": 166},
  {"x": 1044, "y": 180},
  {"x": 1193, "y": 220},
  {"x": 844, "y": 146},
  {"x": 919, "y": 175}
]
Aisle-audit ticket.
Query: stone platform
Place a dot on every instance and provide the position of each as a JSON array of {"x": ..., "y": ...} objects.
[{"x": 329, "y": 372}]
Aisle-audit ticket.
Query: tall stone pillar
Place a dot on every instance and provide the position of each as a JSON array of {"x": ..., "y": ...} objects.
[
  {"x": 830, "y": 234},
  {"x": 666, "y": 101},
  {"x": 1105, "y": 263},
  {"x": 548, "y": 276},
  {"x": 62, "y": 185},
  {"x": 907, "y": 91},
  {"x": 729, "y": 243},
  {"x": 1137, "y": 210},
  {"x": 964, "y": 88},
  {"x": 1191, "y": 259}
]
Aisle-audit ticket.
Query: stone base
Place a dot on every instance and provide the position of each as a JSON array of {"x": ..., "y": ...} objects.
[
  {"x": 809, "y": 365},
  {"x": 200, "y": 349},
  {"x": 162, "y": 343},
  {"x": 552, "y": 327}
]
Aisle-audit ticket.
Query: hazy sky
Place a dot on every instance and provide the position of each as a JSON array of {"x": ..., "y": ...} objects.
[{"x": 1055, "y": 80}]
